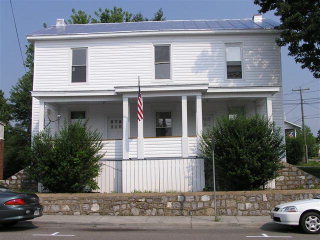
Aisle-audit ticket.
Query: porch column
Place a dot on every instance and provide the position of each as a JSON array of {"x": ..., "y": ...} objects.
[
  {"x": 198, "y": 120},
  {"x": 140, "y": 141},
  {"x": 184, "y": 139},
  {"x": 41, "y": 115},
  {"x": 199, "y": 115},
  {"x": 269, "y": 109},
  {"x": 125, "y": 128}
]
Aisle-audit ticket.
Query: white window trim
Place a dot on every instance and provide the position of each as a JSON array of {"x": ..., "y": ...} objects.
[
  {"x": 70, "y": 67},
  {"x": 154, "y": 63},
  {"x": 234, "y": 44},
  {"x": 155, "y": 123}
]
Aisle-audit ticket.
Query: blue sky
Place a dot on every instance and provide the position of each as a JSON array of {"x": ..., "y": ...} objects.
[{"x": 31, "y": 14}]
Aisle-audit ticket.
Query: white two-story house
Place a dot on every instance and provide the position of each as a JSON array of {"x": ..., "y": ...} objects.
[{"x": 191, "y": 73}]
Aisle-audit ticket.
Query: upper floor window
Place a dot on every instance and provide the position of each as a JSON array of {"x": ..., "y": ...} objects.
[
  {"x": 79, "y": 65},
  {"x": 162, "y": 62},
  {"x": 233, "y": 59}
]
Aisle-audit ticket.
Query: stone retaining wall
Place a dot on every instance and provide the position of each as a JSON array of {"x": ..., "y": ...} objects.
[
  {"x": 251, "y": 203},
  {"x": 291, "y": 177},
  {"x": 20, "y": 181}
]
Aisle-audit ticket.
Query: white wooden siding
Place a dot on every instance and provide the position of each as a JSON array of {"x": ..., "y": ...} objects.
[
  {"x": 35, "y": 116},
  {"x": 162, "y": 147},
  {"x": 110, "y": 177},
  {"x": 118, "y": 61},
  {"x": 163, "y": 175},
  {"x": 112, "y": 149}
]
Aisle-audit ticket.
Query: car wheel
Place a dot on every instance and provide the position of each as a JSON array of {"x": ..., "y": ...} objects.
[
  {"x": 9, "y": 224},
  {"x": 310, "y": 222}
]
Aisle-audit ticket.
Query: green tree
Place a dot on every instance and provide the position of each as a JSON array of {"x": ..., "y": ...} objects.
[
  {"x": 79, "y": 17},
  {"x": 68, "y": 161},
  {"x": 21, "y": 102},
  {"x": 313, "y": 147},
  {"x": 5, "y": 113},
  {"x": 247, "y": 152},
  {"x": 114, "y": 15},
  {"x": 294, "y": 150},
  {"x": 300, "y": 29}
]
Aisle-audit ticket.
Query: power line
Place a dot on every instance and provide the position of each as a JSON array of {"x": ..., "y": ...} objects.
[
  {"x": 291, "y": 110},
  {"x": 15, "y": 26}
]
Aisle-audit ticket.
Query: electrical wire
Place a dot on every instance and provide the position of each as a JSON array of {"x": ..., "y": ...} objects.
[{"x": 15, "y": 25}]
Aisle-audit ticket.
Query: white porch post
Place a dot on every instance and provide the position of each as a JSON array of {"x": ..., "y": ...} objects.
[
  {"x": 269, "y": 109},
  {"x": 198, "y": 119},
  {"x": 184, "y": 139},
  {"x": 199, "y": 115},
  {"x": 41, "y": 115},
  {"x": 126, "y": 128},
  {"x": 140, "y": 143}
]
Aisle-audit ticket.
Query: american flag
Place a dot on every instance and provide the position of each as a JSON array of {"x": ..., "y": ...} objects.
[{"x": 139, "y": 104}]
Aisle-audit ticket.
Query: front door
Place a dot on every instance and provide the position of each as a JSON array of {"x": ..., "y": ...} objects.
[{"x": 114, "y": 128}]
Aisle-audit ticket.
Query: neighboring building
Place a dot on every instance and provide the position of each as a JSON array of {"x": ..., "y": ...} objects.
[
  {"x": 291, "y": 129},
  {"x": 2, "y": 125},
  {"x": 191, "y": 72}
]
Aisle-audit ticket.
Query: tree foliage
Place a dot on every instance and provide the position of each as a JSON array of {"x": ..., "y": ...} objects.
[
  {"x": 5, "y": 115},
  {"x": 247, "y": 153},
  {"x": 300, "y": 29},
  {"x": 114, "y": 15},
  {"x": 294, "y": 150},
  {"x": 313, "y": 147},
  {"x": 67, "y": 161}
]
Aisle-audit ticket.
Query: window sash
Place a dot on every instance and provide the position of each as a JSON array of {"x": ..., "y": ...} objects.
[
  {"x": 77, "y": 115},
  {"x": 162, "y": 62},
  {"x": 79, "y": 65}
]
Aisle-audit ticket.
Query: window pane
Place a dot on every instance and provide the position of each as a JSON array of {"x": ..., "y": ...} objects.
[
  {"x": 162, "y": 54},
  {"x": 79, "y": 56},
  {"x": 79, "y": 73},
  {"x": 234, "y": 112},
  {"x": 78, "y": 115},
  {"x": 162, "y": 71},
  {"x": 234, "y": 70},
  {"x": 233, "y": 54},
  {"x": 161, "y": 132}
]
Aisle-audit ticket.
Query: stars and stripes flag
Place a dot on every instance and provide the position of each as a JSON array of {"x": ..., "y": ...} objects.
[{"x": 139, "y": 104}]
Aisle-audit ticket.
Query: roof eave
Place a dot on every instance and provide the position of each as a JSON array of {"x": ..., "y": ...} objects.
[{"x": 151, "y": 33}]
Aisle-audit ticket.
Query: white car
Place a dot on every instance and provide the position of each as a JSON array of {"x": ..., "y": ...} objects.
[{"x": 303, "y": 213}]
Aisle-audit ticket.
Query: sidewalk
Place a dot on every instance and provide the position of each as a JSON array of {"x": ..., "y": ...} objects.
[{"x": 143, "y": 222}]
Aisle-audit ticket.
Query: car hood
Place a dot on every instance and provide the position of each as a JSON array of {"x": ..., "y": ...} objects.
[{"x": 299, "y": 203}]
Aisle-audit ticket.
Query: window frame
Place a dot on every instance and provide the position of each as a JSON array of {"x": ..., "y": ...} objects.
[
  {"x": 235, "y": 44},
  {"x": 156, "y": 121},
  {"x": 231, "y": 108},
  {"x": 154, "y": 61},
  {"x": 71, "y": 65},
  {"x": 82, "y": 120}
]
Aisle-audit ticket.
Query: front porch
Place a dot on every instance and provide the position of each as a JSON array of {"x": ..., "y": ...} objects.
[{"x": 160, "y": 153}]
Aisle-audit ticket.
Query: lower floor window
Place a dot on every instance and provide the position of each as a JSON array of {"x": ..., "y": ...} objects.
[
  {"x": 235, "y": 112},
  {"x": 163, "y": 124},
  {"x": 76, "y": 116}
]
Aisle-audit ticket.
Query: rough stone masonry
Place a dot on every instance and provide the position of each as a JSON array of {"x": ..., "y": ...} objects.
[{"x": 241, "y": 203}]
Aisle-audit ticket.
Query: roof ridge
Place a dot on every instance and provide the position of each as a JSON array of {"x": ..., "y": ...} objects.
[{"x": 173, "y": 20}]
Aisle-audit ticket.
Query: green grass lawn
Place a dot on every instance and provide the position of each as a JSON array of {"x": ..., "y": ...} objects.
[{"x": 312, "y": 167}]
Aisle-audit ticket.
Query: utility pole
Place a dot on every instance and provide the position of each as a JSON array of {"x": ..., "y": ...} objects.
[{"x": 303, "y": 126}]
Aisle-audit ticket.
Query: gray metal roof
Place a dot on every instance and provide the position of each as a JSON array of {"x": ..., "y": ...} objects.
[{"x": 174, "y": 25}]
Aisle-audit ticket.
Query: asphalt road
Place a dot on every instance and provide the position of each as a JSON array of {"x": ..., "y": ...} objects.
[{"x": 27, "y": 230}]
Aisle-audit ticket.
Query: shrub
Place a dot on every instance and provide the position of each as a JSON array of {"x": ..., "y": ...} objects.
[
  {"x": 67, "y": 161},
  {"x": 294, "y": 150},
  {"x": 247, "y": 153}
]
